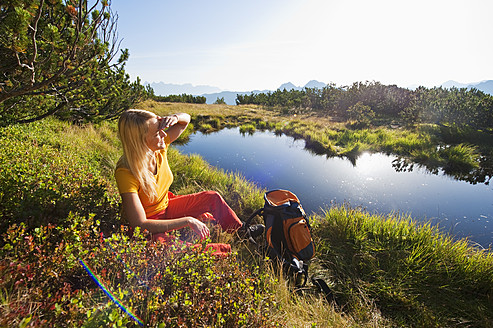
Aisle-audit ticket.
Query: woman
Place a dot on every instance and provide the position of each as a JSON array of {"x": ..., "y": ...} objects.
[{"x": 143, "y": 177}]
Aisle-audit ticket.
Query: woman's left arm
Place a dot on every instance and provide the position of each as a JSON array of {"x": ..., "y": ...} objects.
[{"x": 175, "y": 124}]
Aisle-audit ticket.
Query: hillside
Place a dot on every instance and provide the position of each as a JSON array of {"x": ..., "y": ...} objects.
[{"x": 60, "y": 201}]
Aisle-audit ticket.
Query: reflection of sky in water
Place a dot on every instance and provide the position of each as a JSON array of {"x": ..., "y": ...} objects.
[{"x": 281, "y": 162}]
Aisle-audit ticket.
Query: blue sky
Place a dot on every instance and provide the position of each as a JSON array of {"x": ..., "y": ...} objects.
[{"x": 260, "y": 44}]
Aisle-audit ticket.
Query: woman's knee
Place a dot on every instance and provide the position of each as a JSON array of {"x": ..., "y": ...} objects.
[
  {"x": 214, "y": 199},
  {"x": 213, "y": 196}
]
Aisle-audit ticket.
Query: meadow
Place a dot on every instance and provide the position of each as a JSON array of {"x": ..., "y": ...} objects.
[{"x": 60, "y": 210}]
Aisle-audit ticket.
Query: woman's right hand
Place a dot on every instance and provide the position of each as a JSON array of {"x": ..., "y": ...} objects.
[
  {"x": 175, "y": 124},
  {"x": 200, "y": 228},
  {"x": 166, "y": 121}
]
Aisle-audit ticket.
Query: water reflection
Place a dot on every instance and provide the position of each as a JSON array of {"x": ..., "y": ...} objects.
[
  {"x": 379, "y": 183},
  {"x": 403, "y": 164},
  {"x": 482, "y": 174}
]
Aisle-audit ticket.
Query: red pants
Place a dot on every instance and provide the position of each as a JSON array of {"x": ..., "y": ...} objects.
[{"x": 196, "y": 205}]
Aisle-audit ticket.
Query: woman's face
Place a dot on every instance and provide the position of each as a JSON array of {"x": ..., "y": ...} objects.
[{"x": 155, "y": 137}]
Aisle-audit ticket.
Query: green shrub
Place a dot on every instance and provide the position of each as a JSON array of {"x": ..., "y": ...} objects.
[
  {"x": 361, "y": 114},
  {"x": 220, "y": 101},
  {"x": 43, "y": 179}
]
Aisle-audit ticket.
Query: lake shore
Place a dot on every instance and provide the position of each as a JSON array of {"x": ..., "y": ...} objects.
[{"x": 463, "y": 154}]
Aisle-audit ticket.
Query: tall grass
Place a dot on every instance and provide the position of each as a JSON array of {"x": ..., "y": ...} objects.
[
  {"x": 413, "y": 274},
  {"x": 247, "y": 129},
  {"x": 461, "y": 157}
]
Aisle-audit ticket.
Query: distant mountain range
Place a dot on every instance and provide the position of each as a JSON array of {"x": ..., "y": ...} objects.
[
  {"x": 230, "y": 96},
  {"x": 213, "y": 93},
  {"x": 485, "y": 86},
  {"x": 311, "y": 84},
  {"x": 166, "y": 89}
]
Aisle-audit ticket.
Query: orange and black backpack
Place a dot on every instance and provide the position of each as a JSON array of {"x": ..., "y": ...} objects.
[{"x": 287, "y": 232}]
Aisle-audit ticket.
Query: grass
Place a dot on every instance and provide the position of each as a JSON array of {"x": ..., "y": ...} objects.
[
  {"x": 414, "y": 275},
  {"x": 59, "y": 194},
  {"x": 247, "y": 129}
]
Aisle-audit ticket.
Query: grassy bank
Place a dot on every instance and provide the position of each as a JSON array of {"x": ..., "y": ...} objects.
[
  {"x": 410, "y": 274},
  {"x": 58, "y": 196}
]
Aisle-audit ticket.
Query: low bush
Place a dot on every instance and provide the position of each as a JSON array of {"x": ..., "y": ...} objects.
[{"x": 44, "y": 283}]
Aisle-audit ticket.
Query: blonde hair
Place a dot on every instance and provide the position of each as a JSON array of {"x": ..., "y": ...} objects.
[{"x": 133, "y": 126}]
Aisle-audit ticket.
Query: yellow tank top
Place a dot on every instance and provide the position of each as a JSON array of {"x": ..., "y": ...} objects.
[{"x": 127, "y": 182}]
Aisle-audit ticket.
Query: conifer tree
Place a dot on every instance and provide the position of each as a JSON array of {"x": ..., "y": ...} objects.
[{"x": 58, "y": 57}]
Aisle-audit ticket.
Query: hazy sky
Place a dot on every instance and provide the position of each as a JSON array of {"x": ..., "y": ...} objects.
[{"x": 260, "y": 44}]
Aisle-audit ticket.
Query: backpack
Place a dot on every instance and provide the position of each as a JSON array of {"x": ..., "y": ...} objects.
[{"x": 287, "y": 232}]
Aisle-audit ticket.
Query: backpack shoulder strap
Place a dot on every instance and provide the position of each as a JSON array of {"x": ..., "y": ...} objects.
[
  {"x": 249, "y": 220},
  {"x": 324, "y": 288}
]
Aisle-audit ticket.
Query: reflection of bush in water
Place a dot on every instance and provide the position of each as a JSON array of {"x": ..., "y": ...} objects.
[{"x": 462, "y": 165}]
